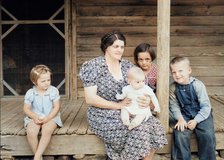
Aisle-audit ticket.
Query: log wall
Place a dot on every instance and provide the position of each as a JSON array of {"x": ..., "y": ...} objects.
[{"x": 197, "y": 31}]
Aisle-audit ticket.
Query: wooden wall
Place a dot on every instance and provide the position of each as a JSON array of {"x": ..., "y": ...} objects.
[{"x": 197, "y": 31}]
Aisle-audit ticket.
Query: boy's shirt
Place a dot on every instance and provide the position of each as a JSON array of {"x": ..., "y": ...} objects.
[{"x": 203, "y": 99}]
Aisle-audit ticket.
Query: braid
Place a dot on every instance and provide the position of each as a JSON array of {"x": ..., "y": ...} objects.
[
  {"x": 104, "y": 38},
  {"x": 109, "y": 38}
]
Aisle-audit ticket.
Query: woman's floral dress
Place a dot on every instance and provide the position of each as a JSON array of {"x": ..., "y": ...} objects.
[{"x": 120, "y": 143}]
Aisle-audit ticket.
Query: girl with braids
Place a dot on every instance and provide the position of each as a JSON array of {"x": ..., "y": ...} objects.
[{"x": 103, "y": 77}]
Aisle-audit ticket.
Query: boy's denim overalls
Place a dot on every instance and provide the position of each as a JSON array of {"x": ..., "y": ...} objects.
[{"x": 204, "y": 130}]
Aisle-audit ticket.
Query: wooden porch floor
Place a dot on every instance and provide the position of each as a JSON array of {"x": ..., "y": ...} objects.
[{"x": 74, "y": 137}]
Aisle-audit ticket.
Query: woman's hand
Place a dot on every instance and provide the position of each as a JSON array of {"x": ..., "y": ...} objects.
[
  {"x": 124, "y": 103},
  {"x": 144, "y": 101}
]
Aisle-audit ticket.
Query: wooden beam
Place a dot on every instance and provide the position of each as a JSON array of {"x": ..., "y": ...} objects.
[
  {"x": 12, "y": 145},
  {"x": 59, "y": 145},
  {"x": 8, "y": 13},
  {"x": 32, "y": 21},
  {"x": 1, "y": 56},
  {"x": 163, "y": 55},
  {"x": 67, "y": 18},
  {"x": 74, "y": 84}
]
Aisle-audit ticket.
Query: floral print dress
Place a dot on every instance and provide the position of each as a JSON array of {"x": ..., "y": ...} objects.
[{"x": 120, "y": 143}]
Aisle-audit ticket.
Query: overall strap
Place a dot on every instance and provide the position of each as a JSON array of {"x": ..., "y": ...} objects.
[
  {"x": 184, "y": 96},
  {"x": 194, "y": 97}
]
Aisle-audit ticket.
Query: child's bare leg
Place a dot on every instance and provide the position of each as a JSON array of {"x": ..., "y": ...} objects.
[
  {"x": 139, "y": 118},
  {"x": 150, "y": 156},
  {"x": 125, "y": 117},
  {"x": 32, "y": 131},
  {"x": 47, "y": 130}
]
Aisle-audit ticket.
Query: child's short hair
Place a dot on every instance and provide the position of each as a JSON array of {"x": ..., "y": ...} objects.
[
  {"x": 37, "y": 71},
  {"x": 135, "y": 72},
  {"x": 179, "y": 59}
]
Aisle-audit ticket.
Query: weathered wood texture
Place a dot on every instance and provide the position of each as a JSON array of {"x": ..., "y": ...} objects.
[
  {"x": 163, "y": 54},
  {"x": 1, "y": 57},
  {"x": 75, "y": 137},
  {"x": 196, "y": 29}
]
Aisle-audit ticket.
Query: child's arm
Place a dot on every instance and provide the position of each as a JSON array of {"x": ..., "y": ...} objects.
[
  {"x": 181, "y": 124},
  {"x": 174, "y": 106},
  {"x": 175, "y": 109},
  {"x": 149, "y": 92},
  {"x": 204, "y": 102},
  {"x": 155, "y": 103},
  {"x": 30, "y": 114},
  {"x": 53, "y": 113},
  {"x": 192, "y": 124}
]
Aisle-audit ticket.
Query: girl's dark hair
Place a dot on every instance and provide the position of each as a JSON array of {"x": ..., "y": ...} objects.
[
  {"x": 144, "y": 47},
  {"x": 109, "y": 38}
]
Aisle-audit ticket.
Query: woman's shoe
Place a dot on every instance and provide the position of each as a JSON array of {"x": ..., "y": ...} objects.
[{"x": 108, "y": 158}]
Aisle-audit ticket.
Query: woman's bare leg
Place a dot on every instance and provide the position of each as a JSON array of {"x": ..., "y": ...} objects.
[
  {"x": 150, "y": 156},
  {"x": 46, "y": 132}
]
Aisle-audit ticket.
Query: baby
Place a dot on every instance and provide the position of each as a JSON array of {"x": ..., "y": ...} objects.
[{"x": 135, "y": 89}]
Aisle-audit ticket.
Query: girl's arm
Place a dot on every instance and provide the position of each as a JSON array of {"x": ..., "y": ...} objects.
[
  {"x": 93, "y": 99},
  {"x": 30, "y": 114},
  {"x": 53, "y": 113}
]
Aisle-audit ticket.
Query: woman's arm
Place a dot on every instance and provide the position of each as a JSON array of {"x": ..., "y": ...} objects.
[{"x": 93, "y": 99}]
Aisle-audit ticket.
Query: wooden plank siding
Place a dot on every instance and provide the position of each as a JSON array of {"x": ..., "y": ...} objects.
[
  {"x": 196, "y": 31},
  {"x": 75, "y": 137},
  {"x": 1, "y": 57}
]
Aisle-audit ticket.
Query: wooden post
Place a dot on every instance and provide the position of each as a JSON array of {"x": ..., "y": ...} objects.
[
  {"x": 163, "y": 56},
  {"x": 74, "y": 91},
  {"x": 1, "y": 57},
  {"x": 67, "y": 47}
]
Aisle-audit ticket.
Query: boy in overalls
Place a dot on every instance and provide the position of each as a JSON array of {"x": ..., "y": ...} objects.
[{"x": 191, "y": 109}]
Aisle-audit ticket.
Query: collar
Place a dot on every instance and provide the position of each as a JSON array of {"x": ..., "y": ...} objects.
[{"x": 46, "y": 93}]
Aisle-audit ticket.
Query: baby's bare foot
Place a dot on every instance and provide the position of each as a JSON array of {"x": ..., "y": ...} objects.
[{"x": 126, "y": 123}]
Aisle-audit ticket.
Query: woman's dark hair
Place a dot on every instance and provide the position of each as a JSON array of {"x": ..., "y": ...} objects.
[
  {"x": 144, "y": 47},
  {"x": 109, "y": 38}
]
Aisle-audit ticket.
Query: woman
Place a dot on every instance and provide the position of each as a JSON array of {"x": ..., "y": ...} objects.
[
  {"x": 103, "y": 77},
  {"x": 144, "y": 55}
]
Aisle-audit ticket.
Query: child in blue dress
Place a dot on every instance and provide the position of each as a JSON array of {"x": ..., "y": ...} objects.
[{"x": 41, "y": 106}]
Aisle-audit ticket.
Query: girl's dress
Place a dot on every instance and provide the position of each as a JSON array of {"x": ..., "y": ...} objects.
[
  {"x": 120, "y": 143},
  {"x": 150, "y": 78},
  {"x": 42, "y": 105}
]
